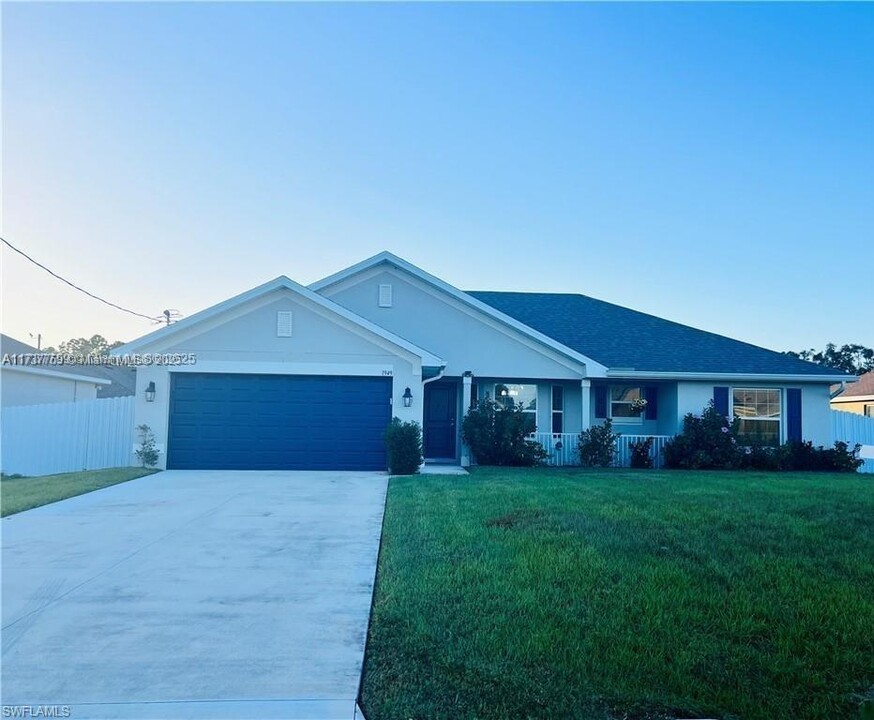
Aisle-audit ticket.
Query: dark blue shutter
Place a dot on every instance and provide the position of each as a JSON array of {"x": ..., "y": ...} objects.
[
  {"x": 651, "y": 394},
  {"x": 720, "y": 400},
  {"x": 600, "y": 401},
  {"x": 793, "y": 414}
]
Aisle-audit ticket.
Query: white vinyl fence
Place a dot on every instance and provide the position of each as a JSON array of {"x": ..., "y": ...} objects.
[
  {"x": 851, "y": 429},
  {"x": 563, "y": 448},
  {"x": 67, "y": 437}
]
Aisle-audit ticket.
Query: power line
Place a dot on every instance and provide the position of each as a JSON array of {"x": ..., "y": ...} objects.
[{"x": 74, "y": 286}]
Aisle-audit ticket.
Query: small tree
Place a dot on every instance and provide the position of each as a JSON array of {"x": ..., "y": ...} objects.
[
  {"x": 403, "y": 444},
  {"x": 147, "y": 452},
  {"x": 499, "y": 436},
  {"x": 598, "y": 445}
]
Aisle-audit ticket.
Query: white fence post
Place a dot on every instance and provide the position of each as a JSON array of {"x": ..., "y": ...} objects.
[{"x": 67, "y": 437}]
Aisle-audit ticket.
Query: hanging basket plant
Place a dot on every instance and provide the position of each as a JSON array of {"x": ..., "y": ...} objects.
[{"x": 638, "y": 405}]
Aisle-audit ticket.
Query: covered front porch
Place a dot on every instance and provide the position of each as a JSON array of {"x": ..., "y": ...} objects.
[{"x": 559, "y": 411}]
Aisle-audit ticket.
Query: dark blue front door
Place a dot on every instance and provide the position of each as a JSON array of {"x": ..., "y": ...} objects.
[
  {"x": 441, "y": 401},
  {"x": 222, "y": 421}
]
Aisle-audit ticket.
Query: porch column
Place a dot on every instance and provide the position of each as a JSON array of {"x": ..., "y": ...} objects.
[
  {"x": 466, "y": 380},
  {"x": 586, "y": 391}
]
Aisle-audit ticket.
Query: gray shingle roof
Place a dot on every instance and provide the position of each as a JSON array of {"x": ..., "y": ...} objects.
[
  {"x": 15, "y": 347},
  {"x": 123, "y": 379},
  {"x": 627, "y": 339}
]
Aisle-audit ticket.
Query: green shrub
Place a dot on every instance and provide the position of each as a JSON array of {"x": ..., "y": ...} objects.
[
  {"x": 598, "y": 445},
  {"x": 756, "y": 456},
  {"x": 803, "y": 456},
  {"x": 641, "y": 456},
  {"x": 403, "y": 444},
  {"x": 498, "y": 436},
  {"x": 147, "y": 452},
  {"x": 710, "y": 442},
  {"x": 707, "y": 442}
]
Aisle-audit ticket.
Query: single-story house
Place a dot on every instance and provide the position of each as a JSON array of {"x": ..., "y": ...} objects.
[
  {"x": 287, "y": 376},
  {"x": 858, "y": 397},
  {"x": 29, "y": 382},
  {"x": 122, "y": 381}
]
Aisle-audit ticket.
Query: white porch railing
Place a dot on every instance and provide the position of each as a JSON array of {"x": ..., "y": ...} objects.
[
  {"x": 563, "y": 448},
  {"x": 623, "y": 449}
]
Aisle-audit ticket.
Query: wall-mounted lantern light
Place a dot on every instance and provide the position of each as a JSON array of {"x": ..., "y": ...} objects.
[
  {"x": 408, "y": 398},
  {"x": 150, "y": 392}
]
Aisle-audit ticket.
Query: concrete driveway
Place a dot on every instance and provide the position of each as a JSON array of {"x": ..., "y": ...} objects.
[{"x": 193, "y": 594}]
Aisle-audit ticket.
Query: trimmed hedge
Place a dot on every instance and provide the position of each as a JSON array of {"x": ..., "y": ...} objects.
[{"x": 403, "y": 444}]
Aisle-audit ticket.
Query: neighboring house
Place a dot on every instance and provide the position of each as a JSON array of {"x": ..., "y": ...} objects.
[
  {"x": 37, "y": 384},
  {"x": 122, "y": 381},
  {"x": 51, "y": 383},
  {"x": 857, "y": 397},
  {"x": 287, "y": 376}
]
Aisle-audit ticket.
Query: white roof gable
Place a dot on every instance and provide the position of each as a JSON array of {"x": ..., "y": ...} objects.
[
  {"x": 593, "y": 368},
  {"x": 162, "y": 337}
]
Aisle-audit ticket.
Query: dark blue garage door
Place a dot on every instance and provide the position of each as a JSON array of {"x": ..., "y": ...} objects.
[{"x": 277, "y": 422}]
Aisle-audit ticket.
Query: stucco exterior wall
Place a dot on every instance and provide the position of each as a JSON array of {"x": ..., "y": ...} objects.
[
  {"x": 462, "y": 336},
  {"x": 22, "y": 388},
  {"x": 665, "y": 422},
  {"x": 815, "y": 419},
  {"x": 245, "y": 341}
]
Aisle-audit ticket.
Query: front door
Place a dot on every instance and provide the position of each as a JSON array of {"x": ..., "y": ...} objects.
[{"x": 441, "y": 406}]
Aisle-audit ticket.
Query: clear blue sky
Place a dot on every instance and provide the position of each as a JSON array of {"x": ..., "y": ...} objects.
[{"x": 711, "y": 164}]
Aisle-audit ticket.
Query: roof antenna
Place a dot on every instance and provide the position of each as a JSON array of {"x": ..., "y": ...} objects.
[{"x": 170, "y": 316}]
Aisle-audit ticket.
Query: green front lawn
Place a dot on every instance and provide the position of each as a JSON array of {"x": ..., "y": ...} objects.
[
  {"x": 24, "y": 493},
  {"x": 623, "y": 594}
]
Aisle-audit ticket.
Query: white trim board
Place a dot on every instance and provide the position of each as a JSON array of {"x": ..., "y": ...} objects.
[
  {"x": 723, "y": 377},
  {"x": 30, "y": 370},
  {"x": 260, "y": 367}
]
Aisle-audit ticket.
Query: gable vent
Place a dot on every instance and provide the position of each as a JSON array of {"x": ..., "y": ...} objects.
[
  {"x": 283, "y": 324},
  {"x": 385, "y": 296}
]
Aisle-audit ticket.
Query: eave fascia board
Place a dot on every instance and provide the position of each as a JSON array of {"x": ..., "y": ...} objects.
[
  {"x": 166, "y": 334},
  {"x": 749, "y": 377},
  {"x": 852, "y": 398},
  {"x": 169, "y": 331},
  {"x": 592, "y": 367},
  {"x": 30, "y": 370}
]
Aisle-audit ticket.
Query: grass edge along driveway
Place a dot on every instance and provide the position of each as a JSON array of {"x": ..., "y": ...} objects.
[
  {"x": 561, "y": 593},
  {"x": 25, "y": 493}
]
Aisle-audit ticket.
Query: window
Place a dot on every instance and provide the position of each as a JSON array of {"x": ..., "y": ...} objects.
[
  {"x": 868, "y": 410},
  {"x": 510, "y": 396},
  {"x": 622, "y": 401},
  {"x": 759, "y": 410},
  {"x": 557, "y": 409}
]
